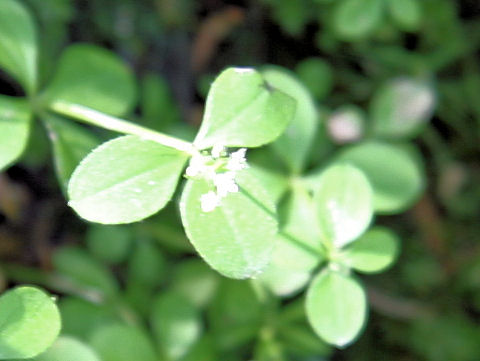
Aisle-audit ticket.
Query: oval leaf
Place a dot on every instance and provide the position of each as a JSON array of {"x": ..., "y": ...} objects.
[
  {"x": 15, "y": 117},
  {"x": 237, "y": 237},
  {"x": 110, "y": 244},
  {"x": 93, "y": 77},
  {"x": 294, "y": 144},
  {"x": 373, "y": 252},
  {"x": 176, "y": 324},
  {"x": 18, "y": 43},
  {"x": 317, "y": 75},
  {"x": 396, "y": 178},
  {"x": 243, "y": 111},
  {"x": 125, "y": 180},
  {"x": 336, "y": 307},
  {"x": 68, "y": 348},
  {"x": 357, "y": 19},
  {"x": 407, "y": 14},
  {"x": 401, "y": 107},
  {"x": 344, "y": 204},
  {"x": 29, "y": 323},
  {"x": 122, "y": 343},
  {"x": 71, "y": 143}
]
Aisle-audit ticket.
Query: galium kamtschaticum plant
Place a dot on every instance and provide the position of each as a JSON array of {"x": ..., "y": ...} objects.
[{"x": 246, "y": 218}]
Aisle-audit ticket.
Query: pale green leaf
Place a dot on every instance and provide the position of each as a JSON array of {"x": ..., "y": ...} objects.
[
  {"x": 93, "y": 77},
  {"x": 373, "y": 252},
  {"x": 401, "y": 107},
  {"x": 176, "y": 324},
  {"x": 117, "y": 342},
  {"x": 344, "y": 204},
  {"x": 18, "y": 43},
  {"x": 294, "y": 144},
  {"x": 396, "y": 178},
  {"x": 15, "y": 117},
  {"x": 298, "y": 249},
  {"x": 242, "y": 110},
  {"x": 71, "y": 143},
  {"x": 29, "y": 323},
  {"x": 357, "y": 19},
  {"x": 68, "y": 348},
  {"x": 336, "y": 307},
  {"x": 125, "y": 180},
  {"x": 237, "y": 237}
]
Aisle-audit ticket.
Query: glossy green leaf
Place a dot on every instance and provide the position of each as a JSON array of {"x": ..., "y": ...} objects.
[
  {"x": 93, "y": 77},
  {"x": 373, "y": 252},
  {"x": 18, "y": 43},
  {"x": 15, "y": 116},
  {"x": 84, "y": 270},
  {"x": 298, "y": 249},
  {"x": 407, "y": 14},
  {"x": 125, "y": 180},
  {"x": 344, "y": 204},
  {"x": 357, "y": 19},
  {"x": 242, "y": 110},
  {"x": 294, "y": 144},
  {"x": 396, "y": 178},
  {"x": 68, "y": 348},
  {"x": 118, "y": 342},
  {"x": 110, "y": 244},
  {"x": 176, "y": 324},
  {"x": 29, "y": 323},
  {"x": 401, "y": 107},
  {"x": 237, "y": 237},
  {"x": 317, "y": 75},
  {"x": 336, "y": 307},
  {"x": 71, "y": 143}
]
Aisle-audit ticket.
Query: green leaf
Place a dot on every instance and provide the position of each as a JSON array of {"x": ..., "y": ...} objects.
[
  {"x": 68, "y": 348},
  {"x": 396, "y": 178},
  {"x": 147, "y": 265},
  {"x": 125, "y": 180},
  {"x": 373, "y": 252},
  {"x": 84, "y": 270},
  {"x": 317, "y": 75},
  {"x": 237, "y": 237},
  {"x": 110, "y": 244},
  {"x": 243, "y": 111},
  {"x": 15, "y": 117},
  {"x": 71, "y": 143},
  {"x": 401, "y": 107},
  {"x": 93, "y": 77},
  {"x": 407, "y": 14},
  {"x": 298, "y": 249},
  {"x": 336, "y": 307},
  {"x": 122, "y": 343},
  {"x": 29, "y": 323},
  {"x": 344, "y": 204},
  {"x": 18, "y": 44},
  {"x": 294, "y": 144},
  {"x": 357, "y": 19},
  {"x": 176, "y": 324},
  {"x": 196, "y": 281}
]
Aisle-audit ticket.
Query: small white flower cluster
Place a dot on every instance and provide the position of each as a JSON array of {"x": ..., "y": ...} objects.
[{"x": 220, "y": 168}]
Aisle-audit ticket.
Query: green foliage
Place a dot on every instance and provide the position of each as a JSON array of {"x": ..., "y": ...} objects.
[
  {"x": 29, "y": 323},
  {"x": 357, "y": 19},
  {"x": 68, "y": 348}
]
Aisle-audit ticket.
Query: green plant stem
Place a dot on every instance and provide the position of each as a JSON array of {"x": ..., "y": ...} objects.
[{"x": 93, "y": 117}]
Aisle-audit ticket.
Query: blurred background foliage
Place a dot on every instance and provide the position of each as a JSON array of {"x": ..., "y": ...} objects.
[{"x": 350, "y": 54}]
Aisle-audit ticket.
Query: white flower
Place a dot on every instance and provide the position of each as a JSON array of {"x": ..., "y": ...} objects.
[
  {"x": 196, "y": 166},
  {"x": 225, "y": 183},
  {"x": 218, "y": 151},
  {"x": 209, "y": 201},
  {"x": 237, "y": 160}
]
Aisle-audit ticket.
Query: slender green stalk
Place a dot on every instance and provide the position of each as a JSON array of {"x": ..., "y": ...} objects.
[{"x": 90, "y": 116}]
